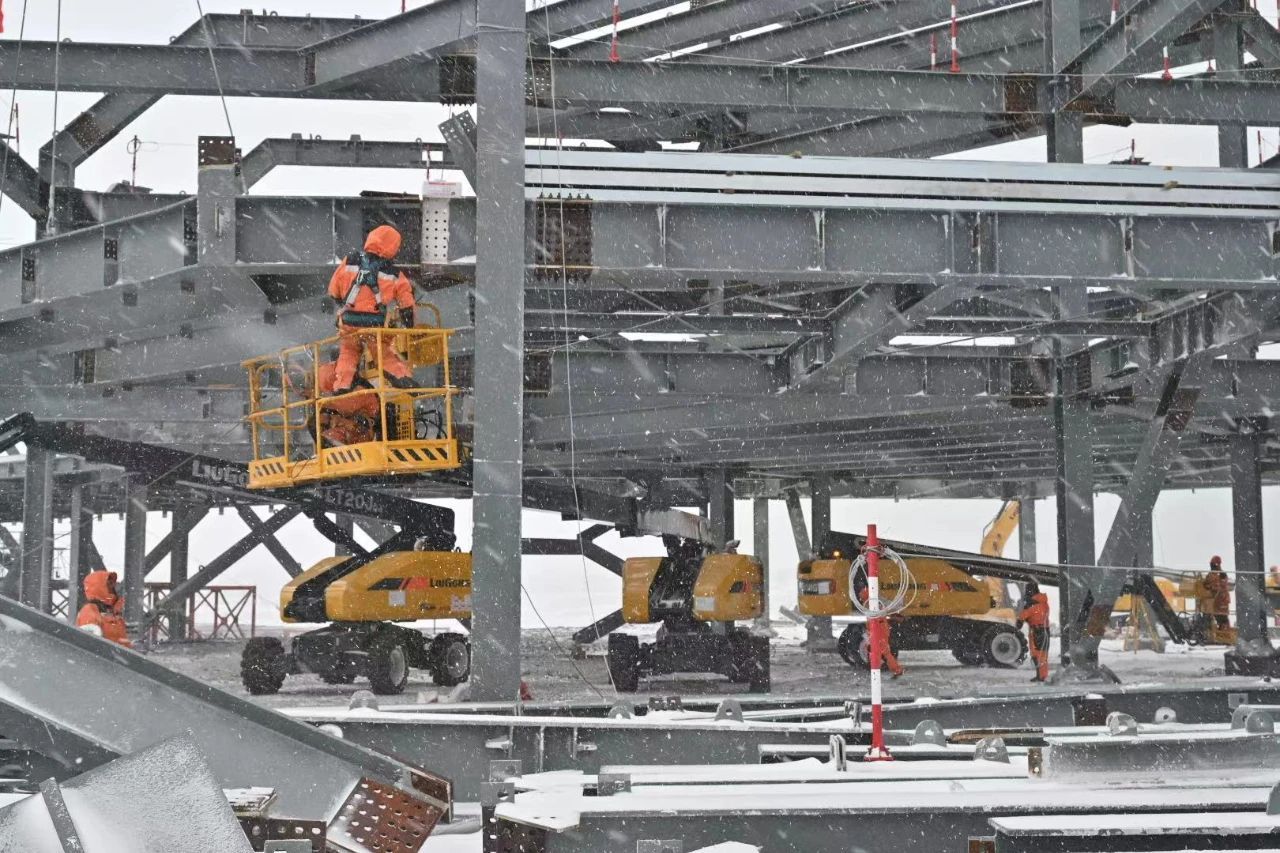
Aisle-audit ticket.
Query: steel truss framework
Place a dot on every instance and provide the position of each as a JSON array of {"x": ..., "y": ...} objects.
[{"x": 1083, "y": 295}]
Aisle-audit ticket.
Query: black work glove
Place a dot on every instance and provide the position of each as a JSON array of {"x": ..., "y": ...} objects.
[{"x": 406, "y": 317}]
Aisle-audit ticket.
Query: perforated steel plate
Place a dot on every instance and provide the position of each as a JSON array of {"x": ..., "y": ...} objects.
[{"x": 378, "y": 818}]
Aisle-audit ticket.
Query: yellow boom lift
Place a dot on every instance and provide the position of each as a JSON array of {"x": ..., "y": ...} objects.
[
  {"x": 698, "y": 598},
  {"x": 365, "y": 599}
]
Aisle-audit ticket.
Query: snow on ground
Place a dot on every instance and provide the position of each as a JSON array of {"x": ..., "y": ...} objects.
[{"x": 554, "y": 676}]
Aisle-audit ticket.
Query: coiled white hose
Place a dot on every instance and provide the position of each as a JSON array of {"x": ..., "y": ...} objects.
[{"x": 902, "y": 599}]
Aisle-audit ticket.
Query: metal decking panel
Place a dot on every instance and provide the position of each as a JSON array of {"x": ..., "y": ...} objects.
[{"x": 51, "y": 671}]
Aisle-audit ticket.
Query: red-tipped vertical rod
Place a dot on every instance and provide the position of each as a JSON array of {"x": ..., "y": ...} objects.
[
  {"x": 955, "y": 39},
  {"x": 933, "y": 52},
  {"x": 1168, "y": 72},
  {"x": 613, "y": 44},
  {"x": 878, "y": 637},
  {"x": 1115, "y": 10}
]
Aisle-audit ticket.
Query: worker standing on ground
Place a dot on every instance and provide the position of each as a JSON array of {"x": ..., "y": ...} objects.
[
  {"x": 1035, "y": 614},
  {"x": 365, "y": 285},
  {"x": 1216, "y": 582},
  {"x": 103, "y": 609}
]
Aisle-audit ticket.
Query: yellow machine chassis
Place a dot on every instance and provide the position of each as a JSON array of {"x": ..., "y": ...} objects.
[{"x": 286, "y": 436}]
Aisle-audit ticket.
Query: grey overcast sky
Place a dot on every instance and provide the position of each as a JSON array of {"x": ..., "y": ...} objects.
[{"x": 1189, "y": 526}]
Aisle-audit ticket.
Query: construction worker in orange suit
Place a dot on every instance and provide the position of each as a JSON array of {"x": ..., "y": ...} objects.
[
  {"x": 1035, "y": 614},
  {"x": 890, "y": 659},
  {"x": 103, "y": 610},
  {"x": 366, "y": 285},
  {"x": 347, "y": 420},
  {"x": 1217, "y": 583}
]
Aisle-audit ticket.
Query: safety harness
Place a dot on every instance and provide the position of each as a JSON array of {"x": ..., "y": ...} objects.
[{"x": 370, "y": 268}]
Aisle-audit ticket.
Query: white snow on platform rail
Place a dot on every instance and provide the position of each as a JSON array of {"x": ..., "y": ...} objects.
[
  {"x": 1213, "y": 823},
  {"x": 562, "y": 809},
  {"x": 653, "y": 720},
  {"x": 809, "y": 770}
]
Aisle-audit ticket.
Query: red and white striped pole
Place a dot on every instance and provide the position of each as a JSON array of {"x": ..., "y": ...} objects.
[
  {"x": 613, "y": 44},
  {"x": 1115, "y": 10},
  {"x": 876, "y": 626},
  {"x": 933, "y": 52},
  {"x": 955, "y": 39},
  {"x": 1168, "y": 72}
]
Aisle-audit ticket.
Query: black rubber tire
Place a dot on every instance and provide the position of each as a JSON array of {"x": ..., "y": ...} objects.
[
  {"x": 388, "y": 664},
  {"x": 849, "y": 645},
  {"x": 998, "y": 646},
  {"x": 623, "y": 659},
  {"x": 967, "y": 653},
  {"x": 263, "y": 665},
  {"x": 450, "y": 656}
]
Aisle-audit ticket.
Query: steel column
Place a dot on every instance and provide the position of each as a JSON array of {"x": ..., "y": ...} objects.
[
  {"x": 34, "y": 574},
  {"x": 760, "y": 547},
  {"x": 499, "y": 320},
  {"x": 81, "y": 551},
  {"x": 1064, "y": 129},
  {"x": 1247, "y": 453},
  {"x": 179, "y": 564},
  {"x": 1027, "y": 530},
  {"x": 135, "y": 550},
  {"x": 818, "y": 628},
  {"x": 1228, "y": 53},
  {"x": 1155, "y": 457},
  {"x": 720, "y": 505},
  {"x": 1073, "y": 451}
]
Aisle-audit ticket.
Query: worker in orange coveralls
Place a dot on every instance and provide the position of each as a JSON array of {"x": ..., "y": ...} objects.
[
  {"x": 366, "y": 285},
  {"x": 1035, "y": 614},
  {"x": 1217, "y": 583},
  {"x": 102, "y": 614},
  {"x": 347, "y": 420},
  {"x": 890, "y": 659}
]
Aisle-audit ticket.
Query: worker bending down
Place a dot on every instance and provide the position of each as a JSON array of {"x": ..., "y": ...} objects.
[
  {"x": 102, "y": 613},
  {"x": 346, "y": 420},
  {"x": 366, "y": 285},
  {"x": 889, "y": 658},
  {"x": 1035, "y": 613},
  {"x": 1216, "y": 582}
]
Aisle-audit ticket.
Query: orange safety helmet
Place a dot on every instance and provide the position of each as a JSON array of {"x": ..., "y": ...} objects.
[{"x": 383, "y": 241}]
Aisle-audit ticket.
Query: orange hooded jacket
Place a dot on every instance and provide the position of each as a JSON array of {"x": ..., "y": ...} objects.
[
  {"x": 364, "y": 308},
  {"x": 103, "y": 608},
  {"x": 1036, "y": 613}
]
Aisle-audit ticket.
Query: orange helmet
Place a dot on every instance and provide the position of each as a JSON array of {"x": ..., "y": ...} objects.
[{"x": 383, "y": 241}]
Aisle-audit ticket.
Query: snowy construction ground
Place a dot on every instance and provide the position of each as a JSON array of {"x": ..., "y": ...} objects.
[{"x": 554, "y": 676}]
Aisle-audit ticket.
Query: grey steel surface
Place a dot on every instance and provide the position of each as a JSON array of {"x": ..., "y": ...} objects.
[
  {"x": 245, "y": 744},
  {"x": 498, "y": 472},
  {"x": 1253, "y": 611},
  {"x": 899, "y": 818}
]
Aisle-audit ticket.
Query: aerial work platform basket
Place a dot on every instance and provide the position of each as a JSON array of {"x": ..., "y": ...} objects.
[{"x": 303, "y": 433}]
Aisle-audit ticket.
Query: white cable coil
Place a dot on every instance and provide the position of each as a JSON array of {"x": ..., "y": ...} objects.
[{"x": 902, "y": 599}]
